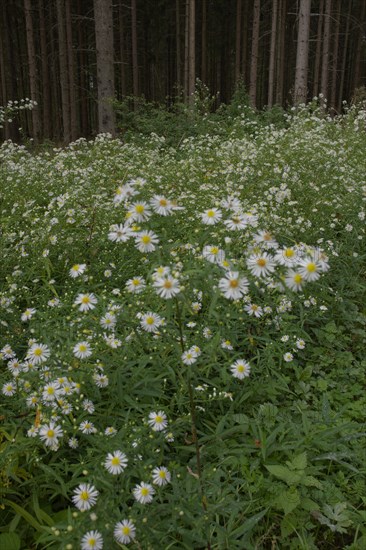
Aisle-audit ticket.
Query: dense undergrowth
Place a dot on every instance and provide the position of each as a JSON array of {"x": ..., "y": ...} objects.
[{"x": 182, "y": 338}]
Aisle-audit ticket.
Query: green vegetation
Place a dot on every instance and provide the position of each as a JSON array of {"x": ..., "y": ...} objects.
[{"x": 186, "y": 310}]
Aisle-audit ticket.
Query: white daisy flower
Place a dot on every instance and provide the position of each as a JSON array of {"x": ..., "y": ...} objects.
[
  {"x": 51, "y": 392},
  {"x": 265, "y": 237},
  {"x": 232, "y": 286},
  {"x": 82, "y": 350},
  {"x": 136, "y": 285},
  {"x": 236, "y": 223},
  {"x": 261, "y": 265},
  {"x": 110, "y": 431},
  {"x": 240, "y": 369},
  {"x": 28, "y": 314},
  {"x": 310, "y": 269},
  {"x": 253, "y": 309},
  {"x": 50, "y": 434},
  {"x": 213, "y": 254},
  {"x": 119, "y": 233},
  {"x": 108, "y": 321},
  {"x": 85, "y": 496},
  {"x": 189, "y": 357},
  {"x": 300, "y": 344},
  {"x": 286, "y": 256},
  {"x": 77, "y": 270},
  {"x": 144, "y": 493},
  {"x": 124, "y": 192},
  {"x": 226, "y": 344},
  {"x": 38, "y": 353},
  {"x": 294, "y": 280},
  {"x": 7, "y": 352},
  {"x": 288, "y": 357},
  {"x": 211, "y": 216},
  {"x": 150, "y": 321},
  {"x": 161, "y": 476},
  {"x": 139, "y": 211},
  {"x": 87, "y": 427},
  {"x": 116, "y": 462},
  {"x": 124, "y": 531},
  {"x": 92, "y": 540},
  {"x": 166, "y": 287},
  {"x": 146, "y": 241},
  {"x": 161, "y": 205},
  {"x": 86, "y": 301},
  {"x": 9, "y": 389},
  {"x": 158, "y": 421}
]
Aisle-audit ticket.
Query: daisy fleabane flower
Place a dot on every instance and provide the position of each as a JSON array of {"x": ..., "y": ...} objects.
[
  {"x": 161, "y": 205},
  {"x": 232, "y": 286},
  {"x": 213, "y": 254},
  {"x": 50, "y": 434},
  {"x": 28, "y": 314},
  {"x": 294, "y": 280},
  {"x": 161, "y": 476},
  {"x": 261, "y": 265},
  {"x": 240, "y": 369},
  {"x": 77, "y": 270},
  {"x": 211, "y": 216},
  {"x": 115, "y": 462},
  {"x": 124, "y": 192},
  {"x": 92, "y": 540},
  {"x": 119, "y": 233},
  {"x": 82, "y": 350},
  {"x": 237, "y": 222},
  {"x": 146, "y": 241},
  {"x": 286, "y": 256},
  {"x": 85, "y": 496},
  {"x": 189, "y": 357},
  {"x": 253, "y": 309},
  {"x": 139, "y": 211},
  {"x": 150, "y": 321},
  {"x": 9, "y": 389},
  {"x": 86, "y": 301},
  {"x": 135, "y": 285},
  {"x": 38, "y": 353},
  {"x": 108, "y": 321},
  {"x": 310, "y": 269},
  {"x": 144, "y": 493},
  {"x": 124, "y": 531},
  {"x": 166, "y": 287},
  {"x": 158, "y": 421},
  {"x": 265, "y": 237}
]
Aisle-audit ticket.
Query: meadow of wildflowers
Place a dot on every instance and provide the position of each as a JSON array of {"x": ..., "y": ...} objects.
[{"x": 182, "y": 340}]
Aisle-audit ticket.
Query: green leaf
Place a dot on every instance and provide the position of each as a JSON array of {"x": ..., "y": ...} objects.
[
  {"x": 248, "y": 524},
  {"x": 26, "y": 515},
  {"x": 288, "y": 500},
  {"x": 300, "y": 462},
  {"x": 286, "y": 475},
  {"x": 10, "y": 541},
  {"x": 310, "y": 481}
]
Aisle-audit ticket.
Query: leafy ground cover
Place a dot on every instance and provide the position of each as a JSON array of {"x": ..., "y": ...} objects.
[{"x": 182, "y": 339}]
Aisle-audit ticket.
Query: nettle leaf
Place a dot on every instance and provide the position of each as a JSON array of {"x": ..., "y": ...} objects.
[
  {"x": 288, "y": 500},
  {"x": 310, "y": 481},
  {"x": 285, "y": 474},
  {"x": 299, "y": 462}
]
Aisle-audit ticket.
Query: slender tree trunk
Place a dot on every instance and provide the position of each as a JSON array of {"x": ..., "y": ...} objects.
[
  {"x": 280, "y": 63},
  {"x": 135, "y": 67},
  {"x": 64, "y": 74},
  {"x": 254, "y": 55},
  {"x": 272, "y": 55},
  {"x": 74, "y": 131},
  {"x": 302, "y": 53},
  {"x": 325, "y": 56},
  {"x": 122, "y": 56},
  {"x": 103, "y": 15},
  {"x": 337, "y": 16},
  {"x": 192, "y": 51},
  {"x": 177, "y": 46},
  {"x": 239, "y": 5},
  {"x": 318, "y": 49},
  {"x": 204, "y": 43},
  {"x": 244, "y": 50},
  {"x": 186, "y": 50},
  {"x": 344, "y": 59},
  {"x": 46, "y": 99},
  {"x": 360, "y": 39},
  {"x": 56, "y": 131},
  {"x": 32, "y": 64},
  {"x": 3, "y": 68}
]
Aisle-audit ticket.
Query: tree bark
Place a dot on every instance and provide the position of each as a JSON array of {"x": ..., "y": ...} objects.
[
  {"x": 186, "y": 50},
  {"x": 64, "y": 75},
  {"x": 74, "y": 131},
  {"x": 344, "y": 59},
  {"x": 272, "y": 54},
  {"x": 192, "y": 51},
  {"x": 302, "y": 53},
  {"x": 103, "y": 17},
  {"x": 45, "y": 80},
  {"x": 254, "y": 54},
  {"x": 32, "y": 64},
  {"x": 325, "y": 56},
  {"x": 318, "y": 49},
  {"x": 135, "y": 67},
  {"x": 239, "y": 7},
  {"x": 337, "y": 15},
  {"x": 204, "y": 43}
]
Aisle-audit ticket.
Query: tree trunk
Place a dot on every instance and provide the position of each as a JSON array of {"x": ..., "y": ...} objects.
[
  {"x": 32, "y": 64},
  {"x": 238, "y": 40},
  {"x": 46, "y": 99},
  {"x": 344, "y": 59},
  {"x": 272, "y": 55},
  {"x": 204, "y": 43},
  {"x": 244, "y": 50},
  {"x": 74, "y": 131},
  {"x": 302, "y": 53},
  {"x": 360, "y": 39},
  {"x": 192, "y": 52},
  {"x": 318, "y": 49},
  {"x": 3, "y": 70},
  {"x": 280, "y": 62},
  {"x": 186, "y": 50},
  {"x": 337, "y": 16},
  {"x": 177, "y": 46},
  {"x": 103, "y": 17},
  {"x": 325, "y": 56},
  {"x": 135, "y": 67},
  {"x": 122, "y": 56},
  {"x": 64, "y": 75},
  {"x": 254, "y": 54}
]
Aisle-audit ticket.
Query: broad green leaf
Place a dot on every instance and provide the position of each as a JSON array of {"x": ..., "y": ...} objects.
[
  {"x": 311, "y": 481},
  {"x": 10, "y": 541},
  {"x": 288, "y": 500},
  {"x": 300, "y": 462},
  {"x": 26, "y": 515},
  {"x": 285, "y": 474},
  {"x": 248, "y": 524}
]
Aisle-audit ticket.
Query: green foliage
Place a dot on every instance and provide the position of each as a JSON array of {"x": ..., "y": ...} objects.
[{"x": 270, "y": 460}]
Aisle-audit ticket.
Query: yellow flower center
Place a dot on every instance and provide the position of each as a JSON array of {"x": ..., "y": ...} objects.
[
  {"x": 150, "y": 320},
  {"x": 139, "y": 208},
  {"x": 92, "y": 542},
  {"x": 261, "y": 262},
  {"x": 158, "y": 419},
  {"x": 289, "y": 252},
  {"x": 311, "y": 267},
  {"x": 234, "y": 283},
  {"x": 210, "y": 213},
  {"x": 136, "y": 282},
  {"x": 85, "y": 300},
  {"x": 50, "y": 391},
  {"x": 82, "y": 347},
  {"x": 297, "y": 278},
  {"x": 214, "y": 250},
  {"x": 38, "y": 352},
  {"x": 126, "y": 530},
  {"x": 50, "y": 433},
  {"x": 240, "y": 368},
  {"x": 267, "y": 237},
  {"x": 144, "y": 491},
  {"x": 84, "y": 495},
  {"x": 162, "y": 474},
  {"x": 168, "y": 284},
  {"x": 115, "y": 461},
  {"x": 75, "y": 267},
  {"x": 163, "y": 202},
  {"x": 146, "y": 239},
  {"x": 254, "y": 307}
]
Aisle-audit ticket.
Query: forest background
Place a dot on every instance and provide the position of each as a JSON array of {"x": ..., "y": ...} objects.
[{"x": 83, "y": 61}]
